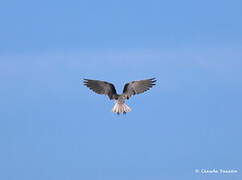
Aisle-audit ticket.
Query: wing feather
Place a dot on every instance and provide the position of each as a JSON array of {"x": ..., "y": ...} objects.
[
  {"x": 101, "y": 87},
  {"x": 137, "y": 87}
]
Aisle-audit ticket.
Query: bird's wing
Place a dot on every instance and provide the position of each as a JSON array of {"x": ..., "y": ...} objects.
[
  {"x": 137, "y": 87},
  {"x": 101, "y": 87}
]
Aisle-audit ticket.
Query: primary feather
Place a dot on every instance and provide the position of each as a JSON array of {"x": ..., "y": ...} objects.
[
  {"x": 137, "y": 87},
  {"x": 101, "y": 87}
]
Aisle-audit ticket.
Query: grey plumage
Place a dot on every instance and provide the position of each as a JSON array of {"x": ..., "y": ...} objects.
[
  {"x": 137, "y": 87},
  {"x": 101, "y": 87},
  {"x": 130, "y": 89}
]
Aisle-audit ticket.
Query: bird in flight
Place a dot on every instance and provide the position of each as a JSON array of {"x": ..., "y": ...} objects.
[{"x": 130, "y": 89}]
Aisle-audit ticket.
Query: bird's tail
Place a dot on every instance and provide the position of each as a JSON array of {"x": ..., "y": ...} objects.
[{"x": 121, "y": 108}]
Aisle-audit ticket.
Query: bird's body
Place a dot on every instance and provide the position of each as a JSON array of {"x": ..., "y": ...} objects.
[
  {"x": 130, "y": 89},
  {"x": 120, "y": 106}
]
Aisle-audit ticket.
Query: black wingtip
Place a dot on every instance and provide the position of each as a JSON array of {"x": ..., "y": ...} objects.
[
  {"x": 153, "y": 80},
  {"x": 85, "y": 82}
]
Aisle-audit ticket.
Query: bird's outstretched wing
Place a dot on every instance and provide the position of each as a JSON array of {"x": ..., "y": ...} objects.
[
  {"x": 101, "y": 87},
  {"x": 137, "y": 87}
]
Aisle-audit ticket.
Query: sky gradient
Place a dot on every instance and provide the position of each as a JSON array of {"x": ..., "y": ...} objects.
[{"x": 52, "y": 127}]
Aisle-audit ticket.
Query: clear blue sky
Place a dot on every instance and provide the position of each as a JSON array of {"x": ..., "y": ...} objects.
[{"x": 53, "y": 128}]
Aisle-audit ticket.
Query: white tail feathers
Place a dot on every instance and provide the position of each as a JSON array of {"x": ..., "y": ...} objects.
[{"x": 121, "y": 108}]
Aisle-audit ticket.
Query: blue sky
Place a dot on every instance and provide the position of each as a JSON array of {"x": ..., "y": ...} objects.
[{"x": 52, "y": 127}]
